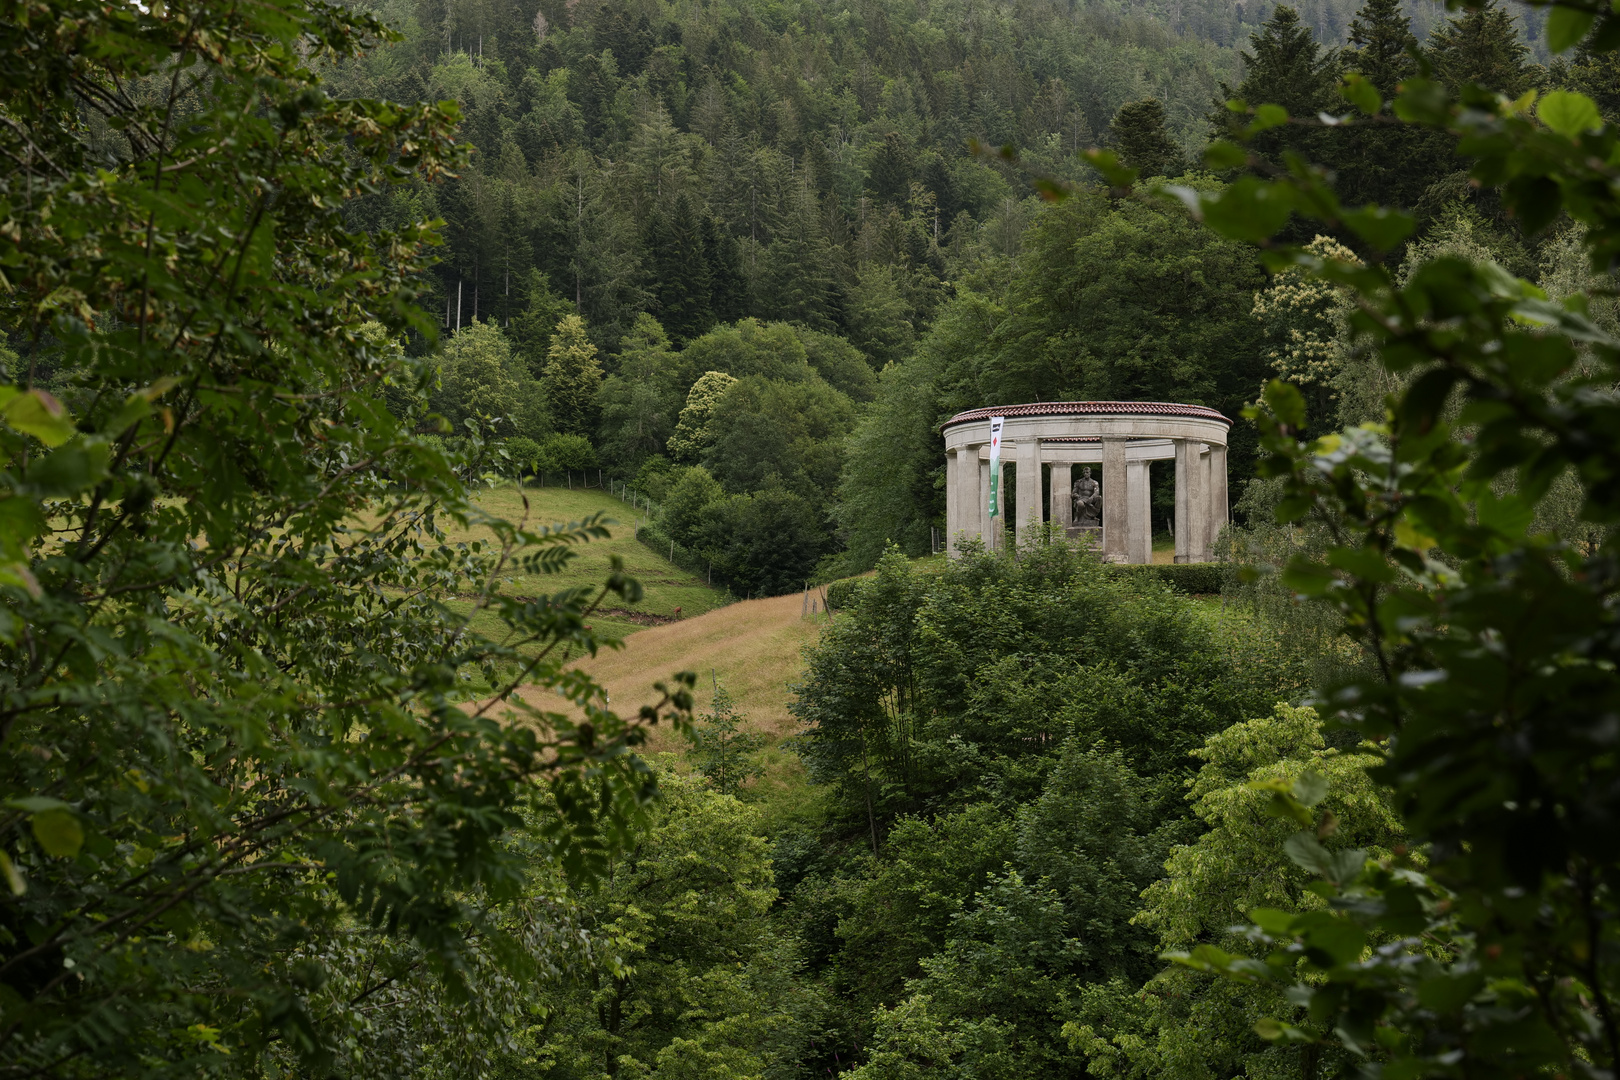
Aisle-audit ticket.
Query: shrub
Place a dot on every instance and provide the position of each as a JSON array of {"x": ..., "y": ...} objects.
[
  {"x": 686, "y": 502},
  {"x": 656, "y": 476},
  {"x": 560, "y": 453},
  {"x": 766, "y": 543},
  {"x": 845, "y": 593},
  {"x": 1193, "y": 579},
  {"x": 522, "y": 456}
]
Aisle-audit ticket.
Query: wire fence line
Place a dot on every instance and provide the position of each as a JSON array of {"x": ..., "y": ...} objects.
[{"x": 653, "y": 536}]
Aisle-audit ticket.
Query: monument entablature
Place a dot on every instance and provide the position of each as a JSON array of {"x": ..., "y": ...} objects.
[{"x": 1123, "y": 437}]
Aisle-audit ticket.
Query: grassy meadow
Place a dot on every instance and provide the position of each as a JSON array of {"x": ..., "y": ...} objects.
[
  {"x": 750, "y": 647},
  {"x": 671, "y": 593}
]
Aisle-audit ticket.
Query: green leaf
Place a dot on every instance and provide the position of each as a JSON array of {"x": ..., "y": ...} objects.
[
  {"x": 1334, "y": 938},
  {"x": 1286, "y": 403},
  {"x": 20, "y": 522},
  {"x": 1283, "y": 804},
  {"x": 1311, "y": 787},
  {"x": 1307, "y": 578},
  {"x": 1274, "y": 922},
  {"x": 1355, "y": 89},
  {"x": 20, "y": 575},
  {"x": 36, "y": 413},
  {"x": 1267, "y": 117},
  {"x": 14, "y": 880},
  {"x": 1450, "y": 992},
  {"x": 35, "y": 804},
  {"x": 73, "y": 468},
  {"x": 1309, "y": 854},
  {"x": 1221, "y": 155},
  {"x": 58, "y": 832},
  {"x": 1250, "y": 209},
  {"x": 1566, "y": 26},
  {"x": 1107, "y": 163},
  {"x": 1364, "y": 563},
  {"x": 1569, "y": 113},
  {"x": 1380, "y": 226},
  {"x": 1509, "y": 514}
]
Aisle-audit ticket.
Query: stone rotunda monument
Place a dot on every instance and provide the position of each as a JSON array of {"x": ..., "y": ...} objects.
[{"x": 1119, "y": 436}]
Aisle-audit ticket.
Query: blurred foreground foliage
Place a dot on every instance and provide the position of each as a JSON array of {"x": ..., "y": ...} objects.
[{"x": 261, "y": 793}]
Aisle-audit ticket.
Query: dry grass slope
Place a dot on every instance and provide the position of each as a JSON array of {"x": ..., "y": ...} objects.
[{"x": 751, "y": 647}]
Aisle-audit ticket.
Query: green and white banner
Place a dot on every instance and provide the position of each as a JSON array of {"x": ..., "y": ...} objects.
[{"x": 995, "y": 465}]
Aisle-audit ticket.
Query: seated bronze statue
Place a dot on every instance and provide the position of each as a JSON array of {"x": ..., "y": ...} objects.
[{"x": 1086, "y": 498}]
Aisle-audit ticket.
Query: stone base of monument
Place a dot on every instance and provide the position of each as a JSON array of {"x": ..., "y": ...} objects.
[{"x": 1091, "y": 534}]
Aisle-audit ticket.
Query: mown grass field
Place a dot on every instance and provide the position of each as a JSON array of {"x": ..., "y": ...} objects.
[
  {"x": 670, "y": 592},
  {"x": 751, "y": 647}
]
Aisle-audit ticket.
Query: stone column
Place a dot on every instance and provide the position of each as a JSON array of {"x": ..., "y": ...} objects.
[
  {"x": 1199, "y": 551},
  {"x": 1116, "y": 504},
  {"x": 1139, "y": 540},
  {"x": 954, "y": 459},
  {"x": 1191, "y": 515},
  {"x": 1062, "y": 509},
  {"x": 1219, "y": 513},
  {"x": 1027, "y": 454},
  {"x": 982, "y": 507},
  {"x": 967, "y": 486}
]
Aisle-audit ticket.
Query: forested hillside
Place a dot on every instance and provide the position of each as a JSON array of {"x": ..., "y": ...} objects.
[
  {"x": 305, "y": 771},
  {"x": 661, "y": 191}
]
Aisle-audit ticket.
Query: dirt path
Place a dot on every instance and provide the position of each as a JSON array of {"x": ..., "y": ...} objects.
[{"x": 751, "y": 647}]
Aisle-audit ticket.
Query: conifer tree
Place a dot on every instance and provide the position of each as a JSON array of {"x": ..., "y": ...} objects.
[
  {"x": 1597, "y": 75},
  {"x": 679, "y": 270},
  {"x": 1483, "y": 45},
  {"x": 1380, "y": 40},
  {"x": 533, "y": 327},
  {"x": 728, "y": 287},
  {"x": 799, "y": 281},
  {"x": 1141, "y": 140},
  {"x": 891, "y": 169},
  {"x": 573, "y": 376},
  {"x": 1289, "y": 67},
  {"x": 1385, "y": 163}
]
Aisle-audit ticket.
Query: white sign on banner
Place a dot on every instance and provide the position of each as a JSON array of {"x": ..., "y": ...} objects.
[{"x": 995, "y": 465}]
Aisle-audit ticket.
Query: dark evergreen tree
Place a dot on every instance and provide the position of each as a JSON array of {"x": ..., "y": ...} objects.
[
  {"x": 891, "y": 169},
  {"x": 1289, "y": 67},
  {"x": 728, "y": 288},
  {"x": 1383, "y": 163},
  {"x": 800, "y": 280},
  {"x": 936, "y": 177},
  {"x": 1597, "y": 75},
  {"x": 1380, "y": 45},
  {"x": 1483, "y": 45},
  {"x": 1141, "y": 140},
  {"x": 629, "y": 35},
  {"x": 592, "y": 84},
  {"x": 532, "y": 327},
  {"x": 678, "y": 270}
]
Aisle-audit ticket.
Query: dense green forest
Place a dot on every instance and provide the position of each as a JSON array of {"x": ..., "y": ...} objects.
[
  {"x": 722, "y": 188},
  {"x": 297, "y": 784}
]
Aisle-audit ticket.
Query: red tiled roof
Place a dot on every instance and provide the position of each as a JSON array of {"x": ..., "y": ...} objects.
[{"x": 1089, "y": 408}]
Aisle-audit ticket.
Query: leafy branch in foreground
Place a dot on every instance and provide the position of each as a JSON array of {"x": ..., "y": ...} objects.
[
  {"x": 1492, "y": 686},
  {"x": 248, "y": 753}
]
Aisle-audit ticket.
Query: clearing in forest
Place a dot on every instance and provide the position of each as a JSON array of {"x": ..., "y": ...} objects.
[
  {"x": 668, "y": 588},
  {"x": 751, "y": 647}
]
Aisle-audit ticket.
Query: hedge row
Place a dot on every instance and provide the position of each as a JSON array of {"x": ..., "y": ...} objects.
[
  {"x": 842, "y": 594},
  {"x": 1194, "y": 579}
]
